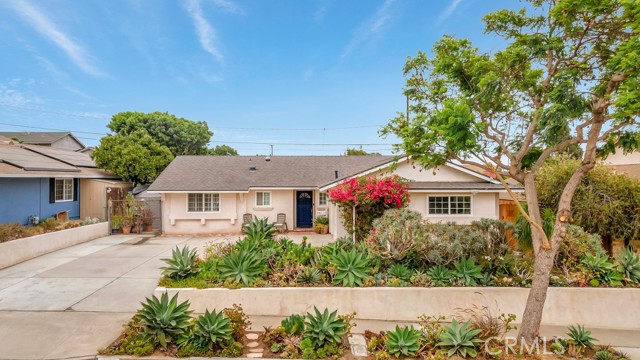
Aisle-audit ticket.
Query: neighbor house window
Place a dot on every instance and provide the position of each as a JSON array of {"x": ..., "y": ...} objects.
[
  {"x": 322, "y": 199},
  {"x": 263, "y": 198},
  {"x": 64, "y": 190},
  {"x": 449, "y": 205},
  {"x": 203, "y": 203}
]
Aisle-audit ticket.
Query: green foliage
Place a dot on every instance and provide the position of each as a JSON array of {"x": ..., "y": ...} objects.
[
  {"x": 213, "y": 328},
  {"x": 395, "y": 234},
  {"x": 440, "y": 275},
  {"x": 222, "y": 150},
  {"x": 293, "y": 325},
  {"x": 578, "y": 243},
  {"x": 163, "y": 320},
  {"x": 399, "y": 271},
  {"x": 242, "y": 266},
  {"x": 467, "y": 271},
  {"x": 359, "y": 152},
  {"x": 460, "y": 339},
  {"x": 324, "y": 328},
  {"x": 602, "y": 269},
  {"x": 522, "y": 228},
  {"x": 180, "y": 136},
  {"x": 603, "y": 355},
  {"x": 182, "y": 263},
  {"x": 322, "y": 220},
  {"x": 309, "y": 275},
  {"x": 259, "y": 230},
  {"x": 134, "y": 156},
  {"x": 581, "y": 337},
  {"x": 239, "y": 322},
  {"x": 403, "y": 341},
  {"x": 629, "y": 265},
  {"x": 351, "y": 266},
  {"x": 451, "y": 242},
  {"x": 310, "y": 351}
]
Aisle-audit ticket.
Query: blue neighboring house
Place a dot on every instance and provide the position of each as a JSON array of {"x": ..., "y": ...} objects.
[{"x": 40, "y": 181}]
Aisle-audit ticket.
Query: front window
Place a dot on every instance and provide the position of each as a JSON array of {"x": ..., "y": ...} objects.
[
  {"x": 322, "y": 200},
  {"x": 203, "y": 202},
  {"x": 449, "y": 205},
  {"x": 263, "y": 198},
  {"x": 64, "y": 190}
]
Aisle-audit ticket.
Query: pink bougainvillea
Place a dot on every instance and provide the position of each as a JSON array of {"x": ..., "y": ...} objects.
[{"x": 370, "y": 196}]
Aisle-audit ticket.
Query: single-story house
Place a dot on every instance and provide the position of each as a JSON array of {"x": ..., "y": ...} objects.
[
  {"x": 40, "y": 181},
  {"x": 56, "y": 139},
  {"x": 210, "y": 194},
  {"x": 625, "y": 163}
]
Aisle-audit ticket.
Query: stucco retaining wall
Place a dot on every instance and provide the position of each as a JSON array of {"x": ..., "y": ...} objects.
[
  {"x": 17, "y": 251},
  {"x": 592, "y": 307}
]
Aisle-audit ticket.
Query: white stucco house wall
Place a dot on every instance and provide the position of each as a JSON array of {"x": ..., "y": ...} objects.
[{"x": 210, "y": 194}]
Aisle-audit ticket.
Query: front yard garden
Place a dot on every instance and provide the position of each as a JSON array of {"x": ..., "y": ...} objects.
[{"x": 16, "y": 231}]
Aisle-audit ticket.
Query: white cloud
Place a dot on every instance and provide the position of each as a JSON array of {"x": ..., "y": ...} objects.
[
  {"x": 370, "y": 28},
  {"x": 42, "y": 24},
  {"x": 10, "y": 96},
  {"x": 206, "y": 33},
  {"x": 229, "y": 6},
  {"x": 60, "y": 77},
  {"x": 321, "y": 11},
  {"x": 446, "y": 13}
]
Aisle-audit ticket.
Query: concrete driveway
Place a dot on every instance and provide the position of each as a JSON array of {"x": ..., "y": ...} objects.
[{"x": 71, "y": 302}]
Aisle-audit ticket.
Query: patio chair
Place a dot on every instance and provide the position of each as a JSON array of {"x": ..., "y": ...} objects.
[
  {"x": 246, "y": 219},
  {"x": 281, "y": 223}
]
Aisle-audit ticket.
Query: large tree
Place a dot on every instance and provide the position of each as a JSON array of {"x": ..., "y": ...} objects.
[
  {"x": 181, "y": 136},
  {"x": 223, "y": 150},
  {"x": 359, "y": 152},
  {"x": 135, "y": 157},
  {"x": 568, "y": 74}
]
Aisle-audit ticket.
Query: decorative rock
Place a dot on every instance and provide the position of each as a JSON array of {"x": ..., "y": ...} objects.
[
  {"x": 253, "y": 344},
  {"x": 254, "y": 355},
  {"x": 252, "y": 336},
  {"x": 358, "y": 345}
]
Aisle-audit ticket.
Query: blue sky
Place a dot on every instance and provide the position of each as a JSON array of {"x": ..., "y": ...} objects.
[{"x": 258, "y": 71}]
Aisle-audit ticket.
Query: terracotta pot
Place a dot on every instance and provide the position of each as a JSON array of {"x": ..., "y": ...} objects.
[
  {"x": 126, "y": 229},
  {"x": 325, "y": 229},
  {"x": 148, "y": 228}
]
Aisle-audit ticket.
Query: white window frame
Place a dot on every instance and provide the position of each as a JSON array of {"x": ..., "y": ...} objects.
[
  {"x": 204, "y": 197},
  {"x": 261, "y": 194},
  {"x": 67, "y": 192},
  {"x": 449, "y": 196},
  {"x": 320, "y": 198}
]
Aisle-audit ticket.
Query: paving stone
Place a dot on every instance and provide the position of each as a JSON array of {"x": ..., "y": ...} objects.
[
  {"x": 252, "y": 336},
  {"x": 358, "y": 345},
  {"x": 254, "y": 355},
  {"x": 253, "y": 344},
  {"x": 256, "y": 350}
]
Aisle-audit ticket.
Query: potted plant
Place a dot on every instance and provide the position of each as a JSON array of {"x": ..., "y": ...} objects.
[
  {"x": 321, "y": 225},
  {"x": 147, "y": 220},
  {"x": 129, "y": 214},
  {"x": 116, "y": 223}
]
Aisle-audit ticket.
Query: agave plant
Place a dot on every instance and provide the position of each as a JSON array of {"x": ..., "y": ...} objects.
[
  {"x": 579, "y": 336},
  {"x": 259, "y": 229},
  {"x": 324, "y": 328},
  {"x": 629, "y": 265},
  {"x": 181, "y": 264},
  {"x": 351, "y": 267},
  {"x": 293, "y": 325},
  {"x": 602, "y": 268},
  {"x": 399, "y": 271},
  {"x": 440, "y": 275},
  {"x": 241, "y": 266},
  {"x": 213, "y": 328},
  {"x": 603, "y": 355},
  {"x": 403, "y": 341},
  {"x": 163, "y": 320},
  {"x": 460, "y": 339},
  {"x": 309, "y": 275},
  {"x": 467, "y": 271}
]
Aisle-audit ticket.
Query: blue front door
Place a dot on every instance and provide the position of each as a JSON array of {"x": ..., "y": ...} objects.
[{"x": 304, "y": 209}]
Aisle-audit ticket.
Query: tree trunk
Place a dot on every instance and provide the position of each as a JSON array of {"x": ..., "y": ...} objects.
[{"x": 533, "y": 208}]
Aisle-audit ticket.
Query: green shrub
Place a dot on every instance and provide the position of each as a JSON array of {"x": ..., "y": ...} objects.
[
  {"x": 241, "y": 266},
  {"x": 403, "y": 341},
  {"x": 602, "y": 269},
  {"x": 495, "y": 233},
  {"x": 181, "y": 264},
  {"x": 629, "y": 265},
  {"x": 239, "y": 322},
  {"x": 576, "y": 245},
  {"x": 164, "y": 320},
  {"x": 351, "y": 267},
  {"x": 310, "y": 351},
  {"x": 395, "y": 234},
  {"x": 581, "y": 337},
  {"x": 293, "y": 325},
  {"x": 450, "y": 242},
  {"x": 324, "y": 328},
  {"x": 522, "y": 228},
  {"x": 460, "y": 339},
  {"x": 467, "y": 271},
  {"x": 259, "y": 229},
  {"x": 440, "y": 275}
]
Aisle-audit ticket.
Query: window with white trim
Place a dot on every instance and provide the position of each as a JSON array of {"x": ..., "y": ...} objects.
[
  {"x": 450, "y": 205},
  {"x": 322, "y": 199},
  {"x": 197, "y": 202},
  {"x": 64, "y": 190},
  {"x": 263, "y": 198}
]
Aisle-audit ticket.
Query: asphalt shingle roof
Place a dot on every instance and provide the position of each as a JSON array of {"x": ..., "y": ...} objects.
[
  {"x": 37, "y": 137},
  {"x": 233, "y": 173}
]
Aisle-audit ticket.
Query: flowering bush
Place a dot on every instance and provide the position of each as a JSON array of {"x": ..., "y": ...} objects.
[{"x": 370, "y": 197}]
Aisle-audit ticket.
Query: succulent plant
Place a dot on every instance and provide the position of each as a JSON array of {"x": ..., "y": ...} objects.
[
  {"x": 214, "y": 327},
  {"x": 163, "y": 320},
  {"x": 629, "y": 265},
  {"x": 603, "y": 355},
  {"x": 460, "y": 339},
  {"x": 579, "y": 336},
  {"x": 351, "y": 267},
  {"x": 602, "y": 268},
  {"x": 399, "y": 271},
  {"x": 241, "y": 266},
  {"x": 324, "y": 328},
  {"x": 259, "y": 229},
  {"x": 293, "y": 325},
  {"x": 181, "y": 264},
  {"x": 403, "y": 341},
  {"x": 467, "y": 271},
  {"x": 440, "y": 275},
  {"x": 309, "y": 275}
]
